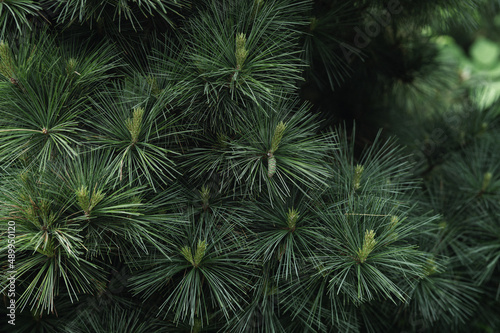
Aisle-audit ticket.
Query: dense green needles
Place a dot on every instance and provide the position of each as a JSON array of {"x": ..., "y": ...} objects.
[{"x": 219, "y": 166}]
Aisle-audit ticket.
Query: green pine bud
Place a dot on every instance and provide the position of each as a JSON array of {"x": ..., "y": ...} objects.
[
  {"x": 186, "y": 253},
  {"x": 97, "y": 197},
  {"x": 83, "y": 198},
  {"x": 430, "y": 267},
  {"x": 200, "y": 252},
  {"x": 6, "y": 62},
  {"x": 442, "y": 225},
  {"x": 368, "y": 245},
  {"x": 271, "y": 165},
  {"x": 195, "y": 259},
  {"x": 241, "y": 51},
  {"x": 197, "y": 327},
  {"x": 71, "y": 67},
  {"x": 134, "y": 124},
  {"x": 205, "y": 196},
  {"x": 277, "y": 136},
  {"x": 86, "y": 201},
  {"x": 358, "y": 172},
  {"x": 155, "y": 90},
  {"x": 292, "y": 219},
  {"x": 393, "y": 224},
  {"x": 394, "y": 221},
  {"x": 134, "y": 202},
  {"x": 486, "y": 181}
]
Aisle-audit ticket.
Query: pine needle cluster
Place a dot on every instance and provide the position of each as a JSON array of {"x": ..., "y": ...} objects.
[{"x": 218, "y": 166}]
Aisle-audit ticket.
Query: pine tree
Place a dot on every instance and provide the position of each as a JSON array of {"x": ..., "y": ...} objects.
[{"x": 219, "y": 166}]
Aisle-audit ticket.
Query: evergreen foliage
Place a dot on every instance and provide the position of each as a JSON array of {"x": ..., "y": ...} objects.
[{"x": 218, "y": 166}]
